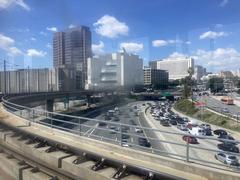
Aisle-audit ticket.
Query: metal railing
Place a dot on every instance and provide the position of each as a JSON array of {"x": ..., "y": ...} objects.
[{"x": 124, "y": 135}]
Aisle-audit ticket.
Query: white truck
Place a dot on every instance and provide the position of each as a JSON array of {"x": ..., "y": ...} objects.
[{"x": 197, "y": 131}]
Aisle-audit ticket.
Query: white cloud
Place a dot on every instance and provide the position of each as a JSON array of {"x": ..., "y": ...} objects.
[
  {"x": 43, "y": 33},
  {"x": 13, "y": 51},
  {"x": 48, "y": 45},
  {"x": 223, "y": 3},
  {"x": 6, "y": 41},
  {"x": 176, "y": 55},
  {"x": 188, "y": 42},
  {"x": 33, "y": 39},
  {"x": 98, "y": 48},
  {"x": 53, "y": 29},
  {"x": 132, "y": 47},
  {"x": 7, "y": 44},
  {"x": 71, "y": 26},
  {"x": 221, "y": 58},
  {"x": 218, "y": 25},
  {"x": 110, "y": 27},
  {"x": 212, "y": 35},
  {"x": 4, "y": 4},
  {"x": 161, "y": 43},
  {"x": 35, "y": 53}
]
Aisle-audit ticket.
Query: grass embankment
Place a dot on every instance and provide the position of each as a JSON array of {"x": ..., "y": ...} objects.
[{"x": 186, "y": 107}]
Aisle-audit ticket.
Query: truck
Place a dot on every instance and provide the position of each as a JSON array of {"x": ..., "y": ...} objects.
[
  {"x": 227, "y": 100},
  {"x": 197, "y": 131}
]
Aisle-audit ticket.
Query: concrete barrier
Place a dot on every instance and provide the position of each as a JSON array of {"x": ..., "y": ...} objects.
[{"x": 27, "y": 174}]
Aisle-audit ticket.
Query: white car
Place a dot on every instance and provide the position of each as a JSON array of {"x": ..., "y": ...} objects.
[
  {"x": 197, "y": 131},
  {"x": 138, "y": 130}
]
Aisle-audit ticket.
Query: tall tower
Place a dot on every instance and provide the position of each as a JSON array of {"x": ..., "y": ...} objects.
[{"x": 71, "y": 49}]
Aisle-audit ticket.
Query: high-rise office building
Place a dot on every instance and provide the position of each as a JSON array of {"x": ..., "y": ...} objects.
[
  {"x": 199, "y": 72},
  {"x": 71, "y": 49}
]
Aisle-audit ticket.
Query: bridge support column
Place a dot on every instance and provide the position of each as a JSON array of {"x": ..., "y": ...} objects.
[
  {"x": 49, "y": 105},
  {"x": 88, "y": 97}
]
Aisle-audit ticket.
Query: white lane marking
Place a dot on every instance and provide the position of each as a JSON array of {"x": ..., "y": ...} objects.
[
  {"x": 159, "y": 134},
  {"x": 91, "y": 129}
]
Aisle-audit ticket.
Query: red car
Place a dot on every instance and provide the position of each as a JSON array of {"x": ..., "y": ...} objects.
[{"x": 190, "y": 139}]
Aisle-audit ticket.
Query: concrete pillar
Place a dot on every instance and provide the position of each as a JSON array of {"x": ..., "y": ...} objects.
[
  {"x": 88, "y": 97},
  {"x": 49, "y": 105}
]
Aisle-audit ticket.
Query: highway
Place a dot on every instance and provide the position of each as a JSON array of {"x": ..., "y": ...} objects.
[
  {"x": 217, "y": 105},
  {"x": 111, "y": 133}
]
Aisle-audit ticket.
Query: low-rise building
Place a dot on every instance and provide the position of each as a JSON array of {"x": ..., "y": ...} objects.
[{"x": 28, "y": 80}]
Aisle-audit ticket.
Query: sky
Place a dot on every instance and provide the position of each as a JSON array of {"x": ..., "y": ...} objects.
[{"x": 207, "y": 30}]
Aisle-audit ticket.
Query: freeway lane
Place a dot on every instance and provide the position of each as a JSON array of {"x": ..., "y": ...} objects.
[
  {"x": 195, "y": 152},
  {"x": 218, "y": 105}
]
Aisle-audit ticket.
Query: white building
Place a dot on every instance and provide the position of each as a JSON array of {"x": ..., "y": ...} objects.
[
  {"x": 114, "y": 70},
  {"x": 176, "y": 67},
  {"x": 199, "y": 72}
]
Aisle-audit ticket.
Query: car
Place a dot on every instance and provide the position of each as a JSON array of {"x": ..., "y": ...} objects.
[
  {"x": 173, "y": 122},
  {"x": 132, "y": 122},
  {"x": 116, "y": 119},
  {"x": 182, "y": 127},
  {"x": 102, "y": 123},
  {"x": 125, "y": 136},
  {"x": 114, "y": 129},
  {"x": 126, "y": 145},
  {"x": 164, "y": 123},
  {"x": 181, "y": 122},
  {"x": 138, "y": 130},
  {"x": 185, "y": 119},
  {"x": 228, "y": 147},
  {"x": 220, "y": 132},
  {"x": 106, "y": 117},
  {"x": 227, "y": 159},
  {"x": 226, "y": 137},
  {"x": 197, "y": 131},
  {"x": 225, "y": 110},
  {"x": 190, "y": 139},
  {"x": 144, "y": 142},
  {"x": 208, "y": 132},
  {"x": 205, "y": 126}
]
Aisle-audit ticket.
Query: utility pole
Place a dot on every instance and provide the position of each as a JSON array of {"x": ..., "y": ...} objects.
[
  {"x": 28, "y": 80},
  {"x": 5, "y": 78}
]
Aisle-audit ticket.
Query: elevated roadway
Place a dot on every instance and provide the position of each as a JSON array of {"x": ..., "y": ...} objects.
[{"x": 108, "y": 160}]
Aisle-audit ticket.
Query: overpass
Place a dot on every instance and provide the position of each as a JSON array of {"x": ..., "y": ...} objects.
[{"x": 67, "y": 153}]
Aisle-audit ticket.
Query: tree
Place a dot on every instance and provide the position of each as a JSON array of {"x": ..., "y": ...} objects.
[
  {"x": 215, "y": 84},
  {"x": 187, "y": 84}
]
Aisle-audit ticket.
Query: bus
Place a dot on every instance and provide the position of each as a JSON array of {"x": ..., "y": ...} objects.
[{"x": 227, "y": 100}]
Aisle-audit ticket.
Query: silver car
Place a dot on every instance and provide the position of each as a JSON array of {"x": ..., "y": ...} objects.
[{"x": 227, "y": 159}]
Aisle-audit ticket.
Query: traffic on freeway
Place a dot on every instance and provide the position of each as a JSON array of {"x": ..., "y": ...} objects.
[
  {"x": 154, "y": 126},
  {"x": 217, "y": 105}
]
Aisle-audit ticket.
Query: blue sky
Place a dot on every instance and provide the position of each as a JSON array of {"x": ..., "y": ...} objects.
[{"x": 207, "y": 30}]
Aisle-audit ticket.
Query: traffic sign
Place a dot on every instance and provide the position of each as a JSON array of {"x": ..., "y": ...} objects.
[{"x": 200, "y": 104}]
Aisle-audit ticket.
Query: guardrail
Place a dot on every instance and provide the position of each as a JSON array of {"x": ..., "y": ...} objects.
[{"x": 117, "y": 133}]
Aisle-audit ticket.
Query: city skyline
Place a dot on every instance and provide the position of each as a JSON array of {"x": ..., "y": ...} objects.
[{"x": 211, "y": 40}]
